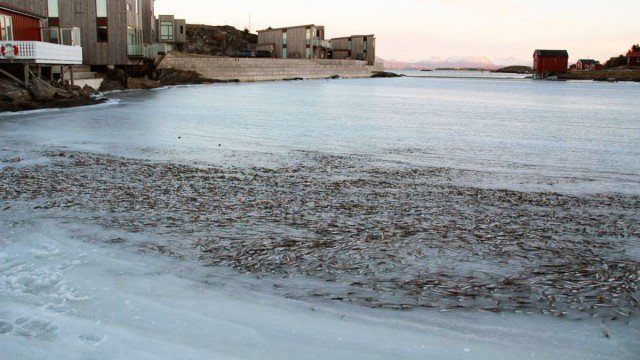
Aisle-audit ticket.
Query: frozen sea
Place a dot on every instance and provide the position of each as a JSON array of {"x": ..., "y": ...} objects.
[{"x": 70, "y": 290}]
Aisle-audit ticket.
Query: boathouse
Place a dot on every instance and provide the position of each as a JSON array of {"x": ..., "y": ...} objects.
[
  {"x": 550, "y": 62},
  {"x": 23, "y": 51}
]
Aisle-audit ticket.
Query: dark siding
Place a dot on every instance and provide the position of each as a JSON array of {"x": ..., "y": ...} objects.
[
  {"x": 82, "y": 14},
  {"x": 34, "y": 6},
  {"x": 551, "y": 64}
]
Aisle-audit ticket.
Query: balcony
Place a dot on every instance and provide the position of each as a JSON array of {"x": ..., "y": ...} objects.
[
  {"x": 322, "y": 43},
  {"x": 39, "y": 52},
  {"x": 148, "y": 51}
]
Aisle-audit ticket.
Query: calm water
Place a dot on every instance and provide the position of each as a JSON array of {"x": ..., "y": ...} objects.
[{"x": 523, "y": 134}]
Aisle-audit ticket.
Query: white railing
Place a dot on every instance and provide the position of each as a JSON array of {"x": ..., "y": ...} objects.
[{"x": 40, "y": 52}]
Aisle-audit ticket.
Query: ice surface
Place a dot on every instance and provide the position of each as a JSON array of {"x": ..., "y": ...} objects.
[
  {"x": 516, "y": 134},
  {"x": 144, "y": 306},
  {"x": 70, "y": 289}
]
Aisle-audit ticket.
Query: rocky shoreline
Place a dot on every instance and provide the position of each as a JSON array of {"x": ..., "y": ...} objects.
[
  {"x": 116, "y": 80},
  {"x": 388, "y": 237},
  {"x": 632, "y": 75},
  {"x": 42, "y": 94}
]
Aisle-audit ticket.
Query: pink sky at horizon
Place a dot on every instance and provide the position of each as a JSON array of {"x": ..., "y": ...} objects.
[{"x": 413, "y": 30}]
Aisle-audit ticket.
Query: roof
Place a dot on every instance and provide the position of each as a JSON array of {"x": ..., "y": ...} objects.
[
  {"x": 291, "y": 27},
  {"x": 352, "y": 36},
  {"x": 551, "y": 53},
  {"x": 588, "y": 61},
  {"x": 18, "y": 10},
  {"x": 633, "y": 54}
]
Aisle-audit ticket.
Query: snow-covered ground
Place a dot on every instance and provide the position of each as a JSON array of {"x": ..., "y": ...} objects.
[{"x": 64, "y": 295}]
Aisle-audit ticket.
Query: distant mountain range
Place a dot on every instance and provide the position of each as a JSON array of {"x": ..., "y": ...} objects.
[{"x": 454, "y": 62}]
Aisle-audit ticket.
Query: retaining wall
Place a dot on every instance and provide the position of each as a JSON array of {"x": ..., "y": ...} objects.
[{"x": 248, "y": 70}]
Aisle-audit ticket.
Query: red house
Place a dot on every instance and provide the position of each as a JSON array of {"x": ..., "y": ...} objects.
[
  {"x": 19, "y": 25},
  {"x": 588, "y": 65},
  {"x": 633, "y": 59},
  {"x": 550, "y": 62}
]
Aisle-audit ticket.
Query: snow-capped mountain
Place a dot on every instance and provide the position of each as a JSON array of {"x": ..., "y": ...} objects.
[{"x": 455, "y": 62}]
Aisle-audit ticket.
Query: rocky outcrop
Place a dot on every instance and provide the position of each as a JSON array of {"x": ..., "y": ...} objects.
[
  {"x": 171, "y": 76},
  {"x": 218, "y": 40},
  {"x": 42, "y": 90},
  {"x": 41, "y": 94},
  {"x": 385, "y": 74},
  {"x": 515, "y": 70},
  {"x": 115, "y": 80}
]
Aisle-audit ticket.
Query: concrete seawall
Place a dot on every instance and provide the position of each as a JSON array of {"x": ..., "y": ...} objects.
[{"x": 249, "y": 70}]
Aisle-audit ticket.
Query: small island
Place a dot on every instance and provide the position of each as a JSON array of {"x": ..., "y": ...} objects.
[{"x": 515, "y": 70}]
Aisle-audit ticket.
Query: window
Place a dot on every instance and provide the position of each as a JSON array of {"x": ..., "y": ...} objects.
[
  {"x": 181, "y": 29},
  {"x": 137, "y": 6},
  {"x": 308, "y": 53},
  {"x": 132, "y": 42},
  {"x": 102, "y": 28},
  {"x": 131, "y": 36},
  {"x": 284, "y": 37},
  {"x": 103, "y": 34},
  {"x": 166, "y": 30},
  {"x": 54, "y": 9},
  {"x": 349, "y": 44},
  {"x": 308, "y": 37},
  {"x": 101, "y": 8},
  {"x": 365, "y": 45},
  {"x": 52, "y": 35},
  {"x": 129, "y": 8},
  {"x": 284, "y": 53},
  {"x": 6, "y": 28}
]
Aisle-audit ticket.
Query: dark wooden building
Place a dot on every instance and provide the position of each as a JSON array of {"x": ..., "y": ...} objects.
[
  {"x": 17, "y": 24},
  {"x": 294, "y": 42},
  {"x": 550, "y": 62},
  {"x": 112, "y": 32},
  {"x": 633, "y": 59},
  {"x": 356, "y": 47}
]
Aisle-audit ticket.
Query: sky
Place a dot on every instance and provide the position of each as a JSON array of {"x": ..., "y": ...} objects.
[{"x": 413, "y": 30}]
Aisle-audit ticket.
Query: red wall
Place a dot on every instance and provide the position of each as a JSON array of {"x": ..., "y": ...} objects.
[
  {"x": 551, "y": 64},
  {"x": 25, "y": 28},
  {"x": 633, "y": 59}
]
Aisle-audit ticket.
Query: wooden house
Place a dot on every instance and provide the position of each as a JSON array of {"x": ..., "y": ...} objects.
[
  {"x": 588, "y": 65},
  {"x": 114, "y": 32},
  {"x": 550, "y": 62},
  {"x": 294, "y": 42},
  {"x": 355, "y": 47},
  {"x": 22, "y": 49},
  {"x": 633, "y": 59},
  {"x": 17, "y": 24}
]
